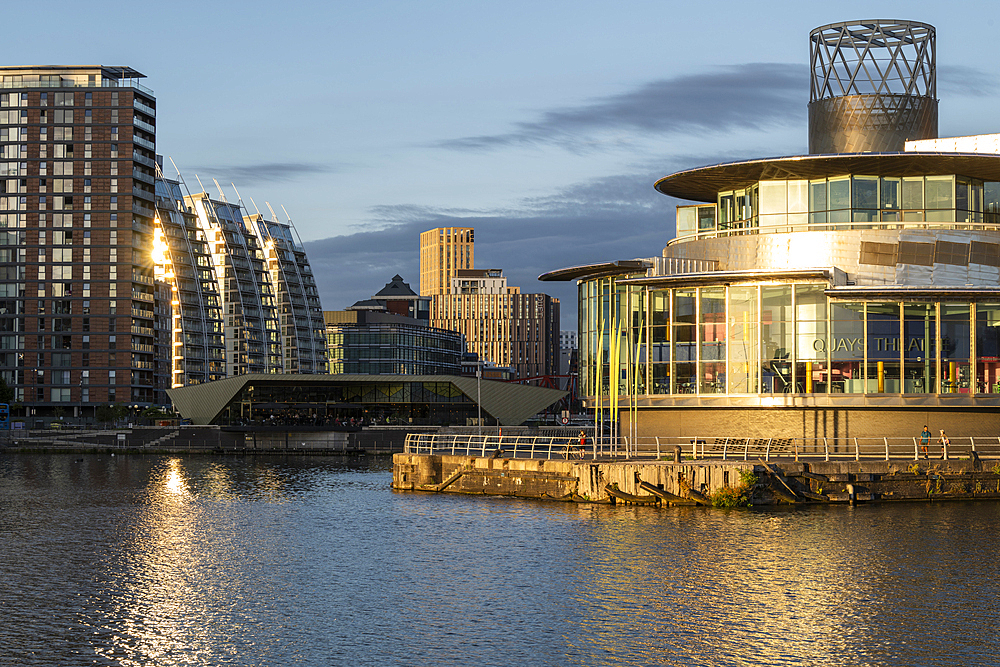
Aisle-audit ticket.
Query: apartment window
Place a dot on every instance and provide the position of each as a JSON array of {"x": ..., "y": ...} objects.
[
  {"x": 88, "y": 99},
  {"x": 43, "y": 100},
  {"x": 88, "y": 114}
]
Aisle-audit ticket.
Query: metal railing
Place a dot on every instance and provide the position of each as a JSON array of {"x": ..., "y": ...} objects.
[{"x": 703, "y": 447}]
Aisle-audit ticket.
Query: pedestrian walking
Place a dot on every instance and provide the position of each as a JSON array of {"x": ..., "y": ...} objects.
[
  {"x": 944, "y": 442},
  {"x": 925, "y": 440}
]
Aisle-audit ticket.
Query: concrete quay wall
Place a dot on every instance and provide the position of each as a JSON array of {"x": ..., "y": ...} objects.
[{"x": 784, "y": 481}]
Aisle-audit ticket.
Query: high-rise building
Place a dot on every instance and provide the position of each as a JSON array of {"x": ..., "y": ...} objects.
[
  {"x": 115, "y": 282},
  {"x": 303, "y": 342},
  {"x": 443, "y": 251},
  {"x": 500, "y": 325},
  {"x": 183, "y": 259},
  {"x": 78, "y": 305}
]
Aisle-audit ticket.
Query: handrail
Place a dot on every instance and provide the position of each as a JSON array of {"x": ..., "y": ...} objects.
[{"x": 700, "y": 447}]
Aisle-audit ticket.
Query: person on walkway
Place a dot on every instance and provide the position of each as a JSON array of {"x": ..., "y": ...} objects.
[
  {"x": 925, "y": 440},
  {"x": 944, "y": 442}
]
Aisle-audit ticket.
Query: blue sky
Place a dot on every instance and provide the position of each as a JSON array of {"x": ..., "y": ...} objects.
[{"x": 542, "y": 124}]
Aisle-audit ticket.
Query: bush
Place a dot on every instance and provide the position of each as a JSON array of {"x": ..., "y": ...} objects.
[
  {"x": 736, "y": 496},
  {"x": 729, "y": 496}
]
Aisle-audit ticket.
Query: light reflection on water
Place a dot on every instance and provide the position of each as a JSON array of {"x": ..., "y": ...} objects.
[{"x": 314, "y": 561}]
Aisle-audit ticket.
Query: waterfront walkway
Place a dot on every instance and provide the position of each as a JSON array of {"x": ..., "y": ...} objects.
[{"x": 700, "y": 447}]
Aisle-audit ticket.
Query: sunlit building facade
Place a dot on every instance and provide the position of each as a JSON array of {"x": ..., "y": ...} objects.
[
  {"x": 184, "y": 261},
  {"x": 826, "y": 295},
  {"x": 303, "y": 343},
  {"x": 79, "y": 308},
  {"x": 444, "y": 251},
  {"x": 115, "y": 283}
]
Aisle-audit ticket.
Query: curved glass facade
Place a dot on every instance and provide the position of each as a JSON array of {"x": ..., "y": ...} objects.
[
  {"x": 770, "y": 338},
  {"x": 844, "y": 202}
]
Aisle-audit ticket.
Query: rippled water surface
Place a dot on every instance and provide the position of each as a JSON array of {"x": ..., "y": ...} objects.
[{"x": 313, "y": 561}]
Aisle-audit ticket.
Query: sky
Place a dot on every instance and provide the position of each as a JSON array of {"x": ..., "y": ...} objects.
[{"x": 542, "y": 124}]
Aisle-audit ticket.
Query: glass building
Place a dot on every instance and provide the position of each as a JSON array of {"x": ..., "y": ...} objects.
[{"x": 827, "y": 295}]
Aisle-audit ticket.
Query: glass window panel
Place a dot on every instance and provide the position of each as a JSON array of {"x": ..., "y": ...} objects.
[
  {"x": 725, "y": 208},
  {"x": 713, "y": 377},
  {"x": 847, "y": 354},
  {"x": 810, "y": 339},
  {"x": 773, "y": 197},
  {"x": 890, "y": 193},
  {"x": 883, "y": 348},
  {"x": 685, "y": 307},
  {"x": 839, "y": 193},
  {"x": 685, "y": 378},
  {"x": 798, "y": 196},
  {"x": 798, "y": 219},
  {"x": 743, "y": 362},
  {"x": 963, "y": 194},
  {"x": 865, "y": 191},
  {"x": 912, "y": 191},
  {"x": 956, "y": 374},
  {"x": 706, "y": 218},
  {"x": 776, "y": 303},
  {"x": 660, "y": 379},
  {"x": 712, "y": 340},
  {"x": 811, "y": 377},
  {"x": 740, "y": 207},
  {"x": 659, "y": 302},
  {"x": 919, "y": 336},
  {"x": 687, "y": 220},
  {"x": 817, "y": 195},
  {"x": 843, "y": 215},
  {"x": 810, "y": 302},
  {"x": 939, "y": 192},
  {"x": 988, "y": 348},
  {"x": 991, "y": 200}
]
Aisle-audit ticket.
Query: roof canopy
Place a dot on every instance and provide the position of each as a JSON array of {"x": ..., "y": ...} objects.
[
  {"x": 705, "y": 183},
  {"x": 510, "y": 404}
]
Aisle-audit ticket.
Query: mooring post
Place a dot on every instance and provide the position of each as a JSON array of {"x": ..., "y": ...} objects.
[{"x": 677, "y": 453}]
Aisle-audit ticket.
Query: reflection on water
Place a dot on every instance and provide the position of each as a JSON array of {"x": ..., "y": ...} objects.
[{"x": 313, "y": 561}]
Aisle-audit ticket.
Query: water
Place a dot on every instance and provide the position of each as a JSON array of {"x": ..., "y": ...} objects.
[{"x": 314, "y": 561}]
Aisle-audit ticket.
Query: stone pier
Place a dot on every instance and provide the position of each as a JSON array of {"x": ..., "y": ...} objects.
[{"x": 690, "y": 482}]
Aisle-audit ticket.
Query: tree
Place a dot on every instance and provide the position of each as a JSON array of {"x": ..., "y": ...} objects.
[
  {"x": 111, "y": 413},
  {"x": 6, "y": 393}
]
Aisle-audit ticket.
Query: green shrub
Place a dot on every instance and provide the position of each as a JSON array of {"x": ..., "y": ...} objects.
[{"x": 729, "y": 496}]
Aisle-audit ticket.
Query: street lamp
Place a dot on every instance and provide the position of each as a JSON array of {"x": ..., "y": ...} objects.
[{"x": 479, "y": 399}]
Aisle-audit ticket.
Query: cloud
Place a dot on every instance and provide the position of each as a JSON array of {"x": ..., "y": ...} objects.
[
  {"x": 965, "y": 81},
  {"x": 749, "y": 96},
  {"x": 618, "y": 217},
  {"x": 268, "y": 172}
]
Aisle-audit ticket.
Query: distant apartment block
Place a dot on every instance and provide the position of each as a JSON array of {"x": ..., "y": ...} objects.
[
  {"x": 500, "y": 324},
  {"x": 444, "y": 251}
]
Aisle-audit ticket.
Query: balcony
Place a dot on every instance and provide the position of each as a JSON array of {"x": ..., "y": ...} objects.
[
  {"x": 148, "y": 145},
  {"x": 139, "y": 209},
  {"x": 143, "y": 160},
  {"x": 143, "y": 125}
]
